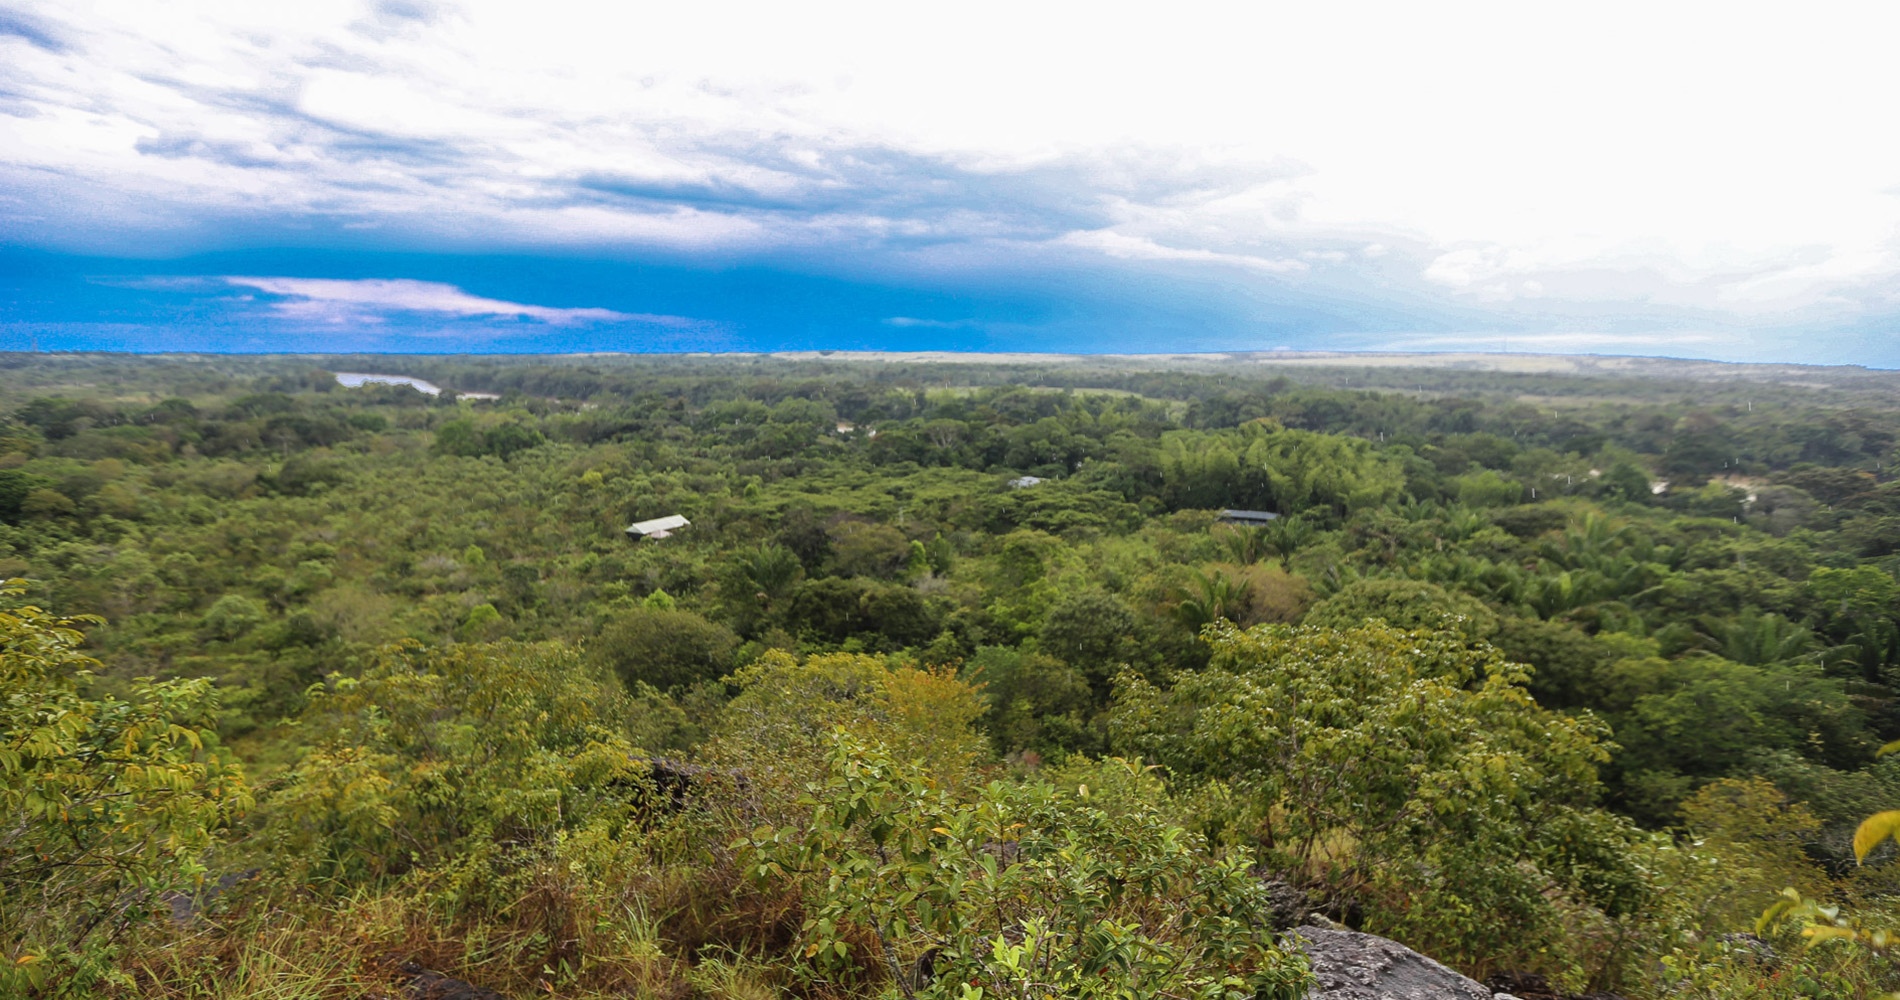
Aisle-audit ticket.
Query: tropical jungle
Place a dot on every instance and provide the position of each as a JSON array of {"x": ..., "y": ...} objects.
[{"x": 959, "y": 679}]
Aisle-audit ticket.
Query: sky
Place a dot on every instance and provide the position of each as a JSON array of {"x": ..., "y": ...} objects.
[{"x": 1691, "y": 179}]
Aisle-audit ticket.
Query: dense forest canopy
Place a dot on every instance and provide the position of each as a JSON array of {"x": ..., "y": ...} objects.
[{"x": 1552, "y": 673}]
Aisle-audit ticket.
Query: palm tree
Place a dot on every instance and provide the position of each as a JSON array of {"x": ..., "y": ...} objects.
[
  {"x": 1758, "y": 639},
  {"x": 1285, "y": 535},
  {"x": 1245, "y": 546},
  {"x": 1211, "y": 597},
  {"x": 770, "y": 568}
]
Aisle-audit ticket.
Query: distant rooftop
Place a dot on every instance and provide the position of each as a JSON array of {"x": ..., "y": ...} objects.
[
  {"x": 659, "y": 527},
  {"x": 1248, "y": 516}
]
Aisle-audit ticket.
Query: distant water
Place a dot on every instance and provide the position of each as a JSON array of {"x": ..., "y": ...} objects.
[{"x": 356, "y": 380}]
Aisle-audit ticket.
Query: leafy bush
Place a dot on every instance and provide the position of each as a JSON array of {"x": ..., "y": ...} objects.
[
  {"x": 233, "y": 615},
  {"x": 109, "y": 803},
  {"x": 776, "y": 730},
  {"x": 458, "y": 754},
  {"x": 1349, "y": 755},
  {"x": 1022, "y": 891},
  {"x": 1036, "y": 702},
  {"x": 665, "y": 647},
  {"x": 1406, "y": 604}
]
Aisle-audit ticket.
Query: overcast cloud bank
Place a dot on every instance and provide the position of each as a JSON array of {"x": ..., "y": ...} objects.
[{"x": 1325, "y": 175}]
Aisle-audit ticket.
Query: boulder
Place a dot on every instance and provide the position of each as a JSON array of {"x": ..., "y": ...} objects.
[
  {"x": 1348, "y": 965},
  {"x": 1287, "y": 906}
]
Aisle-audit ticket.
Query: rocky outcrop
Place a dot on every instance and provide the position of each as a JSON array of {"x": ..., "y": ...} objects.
[
  {"x": 668, "y": 786},
  {"x": 1287, "y": 906},
  {"x": 1348, "y": 965}
]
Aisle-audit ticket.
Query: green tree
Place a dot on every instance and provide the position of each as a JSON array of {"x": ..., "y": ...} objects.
[
  {"x": 482, "y": 622},
  {"x": 1023, "y": 891},
  {"x": 454, "y": 756},
  {"x": 1856, "y": 609},
  {"x": 1036, "y": 702},
  {"x": 1352, "y": 754},
  {"x": 862, "y": 549},
  {"x": 776, "y": 727},
  {"x": 48, "y": 504},
  {"x": 1304, "y": 470},
  {"x": 1381, "y": 734},
  {"x": 1624, "y": 481},
  {"x": 1211, "y": 596},
  {"x": 15, "y": 488},
  {"x": 669, "y": 649},
  {"x": 108, "y": 802},
  {"x": 771, "y": 570},
  {"x": 1758, "y": 638},
  {"x": 459, "y": 437},
  {"x": 1485, "y": 488},
  {"x": 1681, "y": 723},
  {"x": 233, "y": 615},
  {"x": 1406, "y": 604},
  {"x": 1092, "y": 631},
  {"x": 508, "y": 438}
]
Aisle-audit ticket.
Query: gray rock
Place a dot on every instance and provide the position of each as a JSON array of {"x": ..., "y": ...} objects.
[
  {"x": 1348, "y": 965},
  {"x": 1286, "y": 905}
]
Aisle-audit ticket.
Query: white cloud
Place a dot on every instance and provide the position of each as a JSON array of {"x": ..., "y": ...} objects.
[
  {"x": 1128, "y": 247},
  {"x": 330, "y": 300}
]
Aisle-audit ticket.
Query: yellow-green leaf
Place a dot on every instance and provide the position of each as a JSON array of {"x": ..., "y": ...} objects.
[
  {"x": 1873, "y": 830},
  {"x": 1822, "y": 933}
]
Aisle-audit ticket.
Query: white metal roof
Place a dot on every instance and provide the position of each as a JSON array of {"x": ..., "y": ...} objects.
[{"x": 667, "y": 523}]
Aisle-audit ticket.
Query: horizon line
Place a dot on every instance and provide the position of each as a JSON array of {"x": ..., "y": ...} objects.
[{"x": 876, "y": 354}]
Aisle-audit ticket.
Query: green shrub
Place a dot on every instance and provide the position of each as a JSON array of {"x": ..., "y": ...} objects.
[
  {"x": 669, "y": 649},
  {"x": 1020, "y": 891},
  {"x": 233, "y": 615},
  {"x": 109, "y": 802},
  {"x": 1359, "y": 755},
  {"x": 454, "y": 756}
]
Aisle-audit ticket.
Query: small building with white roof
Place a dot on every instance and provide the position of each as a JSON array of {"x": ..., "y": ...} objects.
[{"x": 659, "y": 527}]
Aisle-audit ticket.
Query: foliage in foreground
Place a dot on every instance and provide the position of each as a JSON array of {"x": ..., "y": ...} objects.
[
  {"x": 1023, "y": 890},
  {"x": 106, "y": 804}
]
